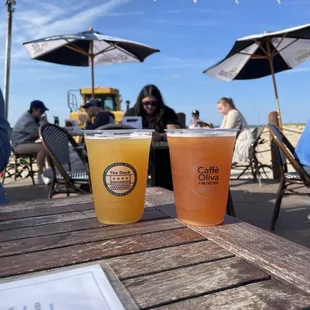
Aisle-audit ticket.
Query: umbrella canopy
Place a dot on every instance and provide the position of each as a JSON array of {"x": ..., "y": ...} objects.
[
  {"x": 87, "y": 48},
  {"x": 264, "y": 54}
]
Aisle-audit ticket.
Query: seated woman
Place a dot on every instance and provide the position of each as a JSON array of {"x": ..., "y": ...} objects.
[
  {"x": 155, "y": 114},
  {"x": 233, "y": 119}
]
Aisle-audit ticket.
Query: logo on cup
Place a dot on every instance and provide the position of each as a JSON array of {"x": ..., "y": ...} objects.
[
  {"x": 205, "y": 178},
  {"x": 120, "y": 179}
]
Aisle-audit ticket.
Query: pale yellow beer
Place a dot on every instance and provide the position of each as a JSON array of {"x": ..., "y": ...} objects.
[
  {"x": 118, "y": 162},
  {"x": 201, "y": 164}
]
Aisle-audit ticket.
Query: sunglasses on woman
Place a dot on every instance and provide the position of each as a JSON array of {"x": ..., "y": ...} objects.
[{"x": 149, "y": 102}]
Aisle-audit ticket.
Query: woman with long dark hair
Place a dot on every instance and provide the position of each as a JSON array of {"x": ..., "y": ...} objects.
[{"x": 155, "y": 114}]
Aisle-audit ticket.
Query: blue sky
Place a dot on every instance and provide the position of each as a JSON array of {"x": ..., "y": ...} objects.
[{"x": 191, "y": 37}]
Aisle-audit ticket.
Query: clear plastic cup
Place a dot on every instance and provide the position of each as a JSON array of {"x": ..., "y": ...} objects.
[
  {"x": 118, "y": 162},
  {"x": 201, "y": 163}
]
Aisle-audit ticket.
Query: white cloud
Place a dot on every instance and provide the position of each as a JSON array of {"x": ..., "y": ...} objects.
[
  {"x": 209, "y": 23},
  {"x": 175, "y": 76},
  {"x": 124, "y": 13},
  {"x": 211, "y": 11},
  {"x": 179, "y": 63},
  {"x": 50, "y": 18},
  {"x": 297, "y": 70}
]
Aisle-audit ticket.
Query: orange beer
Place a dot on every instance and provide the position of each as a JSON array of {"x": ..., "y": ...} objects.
[
  {"x": 118, "y": 162},
  {"x": 201, "y": 163}
]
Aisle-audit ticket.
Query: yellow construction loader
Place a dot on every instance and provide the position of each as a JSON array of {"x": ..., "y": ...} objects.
[{"x": 110, "y": 96}]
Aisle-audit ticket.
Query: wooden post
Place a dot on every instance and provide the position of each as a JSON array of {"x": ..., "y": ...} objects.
[{"x": 273, "y": 118}]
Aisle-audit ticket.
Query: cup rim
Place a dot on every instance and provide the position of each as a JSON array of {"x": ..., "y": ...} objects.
[
  {"x": 116, "y": 132},
  {"x": 188, "y": 132},
  {"x": 201, "y": 129}
]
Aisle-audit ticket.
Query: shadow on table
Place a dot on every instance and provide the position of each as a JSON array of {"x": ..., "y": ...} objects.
[{"x": 256, "y": 208}]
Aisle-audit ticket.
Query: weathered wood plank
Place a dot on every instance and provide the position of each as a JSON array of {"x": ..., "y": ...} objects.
[
  {"x": 46, "y": 211},
  {"x": 25, "y": 263},
  {"x": 165, "y": 259},
  {"x": 265, "y": 295},
  {"x": 165, "y": 287},
  {"x": 286, "y": 260},
  {"x": 50, "y": 229},
  {"x": 45, "y": 203},
  {"x": 84, "y": 236},
  {"x": 154, "y": 192},
  {"x": 169, "y": 210},
  {"x": 157, "y": 196},
  {"x": 48, "y": 219}
]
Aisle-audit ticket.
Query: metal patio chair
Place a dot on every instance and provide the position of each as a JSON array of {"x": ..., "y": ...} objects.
[
  {"x": 57, "y": 142},
  {"x": 290, "y": 182}
]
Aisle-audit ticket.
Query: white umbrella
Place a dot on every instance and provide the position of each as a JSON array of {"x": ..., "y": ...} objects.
[{"x": 264, "y": 54}]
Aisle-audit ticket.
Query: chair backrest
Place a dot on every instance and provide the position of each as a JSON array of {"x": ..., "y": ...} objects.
[
  {"x": 286, "y": 151},
  {"x": 256, "y": 134},
  {"x": 57, "y": 141}
]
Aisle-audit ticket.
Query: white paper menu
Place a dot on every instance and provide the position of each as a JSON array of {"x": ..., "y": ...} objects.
[{"x": 85, "y": 288}]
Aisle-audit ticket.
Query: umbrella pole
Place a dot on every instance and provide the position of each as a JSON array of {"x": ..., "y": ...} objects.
[
  {"x": 270, "y": 60},
  {"x": 92, "y": 69}
]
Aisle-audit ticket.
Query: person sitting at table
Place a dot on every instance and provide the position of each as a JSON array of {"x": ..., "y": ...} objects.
[
  {"x": 95, "y": 108},
  {"x": 233, "y": 119},
  {"x": 5, "y": 147},
  {"x": 25, "y": 134},
  {"x": 196, "y": 122},
  {"x": 155, "y": 114}
]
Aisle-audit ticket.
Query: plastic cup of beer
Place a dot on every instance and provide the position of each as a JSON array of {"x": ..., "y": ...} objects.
[
  {"x": 201, "y": 163},
  {"x": 118, "y": 164}
]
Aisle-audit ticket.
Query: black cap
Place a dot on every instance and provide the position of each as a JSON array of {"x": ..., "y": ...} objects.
[
  {"x": 37, "y": 104},
  {"x": 195, "y": 112},
  {"x": 93, "y": 103}
]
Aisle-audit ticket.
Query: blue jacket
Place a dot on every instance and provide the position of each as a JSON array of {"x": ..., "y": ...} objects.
[
  {"x": 5, "y": 146},
  {"x": 302, "y": 150}
]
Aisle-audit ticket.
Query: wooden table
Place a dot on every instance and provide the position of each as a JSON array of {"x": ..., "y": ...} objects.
[{"x": 160, "y": 262}]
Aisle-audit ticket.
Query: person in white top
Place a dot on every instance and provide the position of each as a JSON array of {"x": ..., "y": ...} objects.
[{"x": 233, "y": 119}]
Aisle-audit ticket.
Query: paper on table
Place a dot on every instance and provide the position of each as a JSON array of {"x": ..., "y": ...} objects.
[{"x": 79, "y": 289}]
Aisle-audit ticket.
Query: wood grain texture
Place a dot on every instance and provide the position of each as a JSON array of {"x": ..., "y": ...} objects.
[
  {"x": 62, "y": 227},
  {"x": 66, "y": 256},
  {"x": 84, "y": 236},
  {"x": 48, "y": 219},
  {"x": 286, "y": 260},
  {"x": 165, "y": 287},
  {"x": 265, "y": 295},
  {"x": 165, "y": 259},
  {"x": 45, "y": 203},
  {"x": 58, "y": 202},
  {"x": 46, "y": 211},
  {"x": 157, "y": 196}
]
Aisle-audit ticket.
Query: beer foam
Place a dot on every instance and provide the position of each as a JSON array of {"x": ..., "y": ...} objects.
[
  {"x": 198, "y": 133},
  {"x": 122, "y": 137},
  {"x": 118, "y": 134}
]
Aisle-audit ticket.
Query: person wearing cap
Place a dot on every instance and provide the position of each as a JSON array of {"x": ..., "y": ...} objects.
[
  {"x": 5, "y": 147},
  {"x": 26, "y": 132},
  {"x": 95, "y": 108},
  {"x": 195, "y": 122}
]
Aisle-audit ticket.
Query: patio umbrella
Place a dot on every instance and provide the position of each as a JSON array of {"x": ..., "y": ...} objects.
[
  {"x": 264, "y": 54},
  {"x": 87, "y": 48}
]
